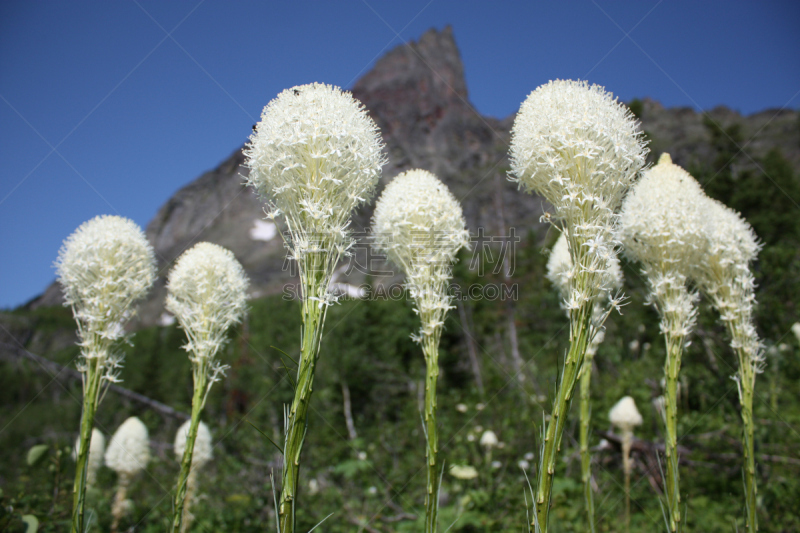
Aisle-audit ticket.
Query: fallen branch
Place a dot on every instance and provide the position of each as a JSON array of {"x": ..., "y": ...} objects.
[{"x": 11, "y": 353}]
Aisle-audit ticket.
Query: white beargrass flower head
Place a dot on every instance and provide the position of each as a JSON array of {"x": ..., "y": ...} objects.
[
  {"x": 577, "y": 146},
  {"x": 128, "y": 450},
  {"x": 625, "y": 415},
  {"x": 97, "y": 447},
  {"x": 419, "y": 224},
  {"x": 317, "y": 155},
  {"x": 489, "y": 439},
  {"x": 662, "y": 225},
  {"x": 104, "y": 267},
  {"x": 203, "y": 446},
  {"x": 206, "y": 293}
]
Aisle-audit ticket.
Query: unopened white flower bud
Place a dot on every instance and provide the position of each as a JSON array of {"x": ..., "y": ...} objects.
[
  {"x": 128, "y": 450},
  {"x": 488, "y": 439},
  {"x": 625, "y": 415},
  {"x": 203, "y": 450}
]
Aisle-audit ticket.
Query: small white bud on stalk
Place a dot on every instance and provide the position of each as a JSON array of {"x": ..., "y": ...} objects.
[
  {"x": 127, "y": 454},
  {"x": 626, "y": 416}
]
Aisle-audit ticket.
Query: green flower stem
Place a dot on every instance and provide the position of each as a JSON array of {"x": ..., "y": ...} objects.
[
  {"x": 580, "y": 319},
  {"x": 627, "y": 439},
  {"x": 672, "y": 366},
  {"x": 92, "y": 379},
  {"x": 746, "y": 382},
  {"x": 315, "y": 283},
  {"x": 586, "y": 456},
  {"x": 430, "y": 348},
  {"x": 200, "y": 372}
]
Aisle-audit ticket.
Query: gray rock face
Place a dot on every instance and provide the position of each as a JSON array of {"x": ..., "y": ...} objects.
[{"x": 418, "y": 97}]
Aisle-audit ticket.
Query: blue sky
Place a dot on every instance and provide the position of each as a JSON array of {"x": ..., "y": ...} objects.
[{"x": 110, "y": 107}]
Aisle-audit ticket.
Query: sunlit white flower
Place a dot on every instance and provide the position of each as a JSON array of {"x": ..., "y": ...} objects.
[
  {"x": 488, "y": 439},
  {"x": 317, "y": 155},
  {"x": 461, "y": 407},
  {"x": 203, "y": 445},
  {"x": 206, "y": 293},
  {"x": 624, "y": 414},
  {"x": 419, "y": 224},
  {"x": 128, "y": 450}
]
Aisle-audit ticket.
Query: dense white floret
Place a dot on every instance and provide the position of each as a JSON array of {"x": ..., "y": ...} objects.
[
  {"x": 574, "y": 144},
  {"x": 128, "y": 450},
  {"x": 662, "y": 226},
  {"x": 207, "y": 289},
  {"x": 104, "y": 267},
  {"x": 560, "y": 269},
  {"x": 625, "y": 415},
  {"x": 317, "y": 155},
  {"x": 203, "y": 450},
  {"x": 419, "y": 224}
]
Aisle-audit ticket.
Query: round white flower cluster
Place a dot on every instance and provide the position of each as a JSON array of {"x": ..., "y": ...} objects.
[
  {"x": 207, "y": 289},
  {"x": 724, "y": 275},
  {"x": 419, "y": 224},
  {"x": 317, "y": 155},
  {"x": 103, "y": 267},
  {"x": 129, "y": 449},
  {"x": 625, "y": 415},
  {"x": 203, "y": 450},
  {"x": 574, "y": 144},
  {"x": 663, "y": 226}
]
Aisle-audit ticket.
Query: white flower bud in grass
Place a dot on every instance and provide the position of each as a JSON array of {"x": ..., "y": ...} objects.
[
  {"x": 127, "y": 454},
  {"x": 97, "y": 448},
  {"x": 203, "y": 445},
  {"x": 796, "y": 330},
  {"x": 625, "y": 415},
  {"x": 463, "y": 472},
  {"x": 128, "y": 450},
  {"x": 488, "y": 439},
  {"x": 207, "y": 289}
]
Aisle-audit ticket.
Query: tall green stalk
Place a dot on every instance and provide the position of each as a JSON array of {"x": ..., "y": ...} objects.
[
  {"x": 93, "y": 377},
  {"x": 675, "y": 323},
  {"x": 315, "y": 282},
  {"x": 585, "y": 421},
  {"x": 580, "y": 321},
  {"x": 746, "y": 383},
  {"x": 430, "y": 348},
  {"x": 200, "y": 375}
]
